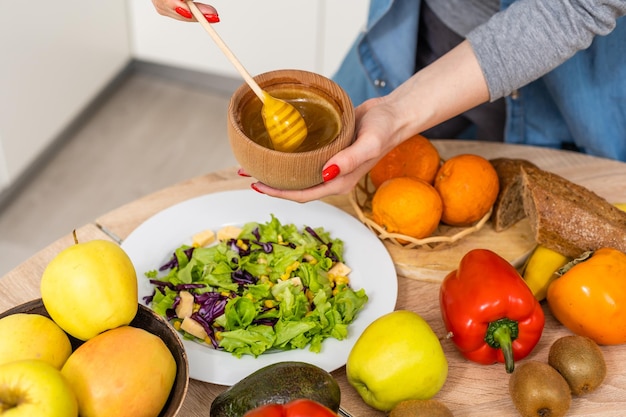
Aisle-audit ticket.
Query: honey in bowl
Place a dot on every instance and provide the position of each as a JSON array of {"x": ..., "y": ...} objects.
[
  {"x": 289, "y": 170},
  {"x": 320, "y": 113}
]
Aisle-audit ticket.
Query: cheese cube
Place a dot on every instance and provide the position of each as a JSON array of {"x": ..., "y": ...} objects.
[
  {"x": 228, "y": 232},
  {"x": 340, "y": 269},
  {"x": 193, "y": 327},
  {"x": 185, "y": 305},
  {"x": 203, "y": 238}
]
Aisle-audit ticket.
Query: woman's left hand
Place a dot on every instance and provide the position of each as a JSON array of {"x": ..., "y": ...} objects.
[{"x": 343, "y": 171}]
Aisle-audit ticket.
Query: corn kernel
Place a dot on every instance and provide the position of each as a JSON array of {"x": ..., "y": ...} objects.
[
  {"x": 269, "y": 303},
  {"x": 342, "y": 279}
]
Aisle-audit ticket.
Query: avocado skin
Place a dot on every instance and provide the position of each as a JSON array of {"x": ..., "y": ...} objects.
[{"x": 278, "y": 383}]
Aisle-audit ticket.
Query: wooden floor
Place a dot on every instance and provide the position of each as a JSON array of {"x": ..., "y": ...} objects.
[{"x": 152, "y": 132}]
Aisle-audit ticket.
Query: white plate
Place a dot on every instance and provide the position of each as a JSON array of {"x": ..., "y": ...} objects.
[{"x": 151, "y": 244}]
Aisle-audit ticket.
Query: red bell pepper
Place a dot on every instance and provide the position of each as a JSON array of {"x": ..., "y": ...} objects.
[
  {"x": 489, "y": 312},
  {"x": 295, "y": 408}
]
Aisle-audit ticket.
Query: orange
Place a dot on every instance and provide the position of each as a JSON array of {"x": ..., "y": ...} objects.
[
  {"x": 415, "y": 157},
  {"x": 468, "y": 186},
  {"x": 408, "y": 206}
]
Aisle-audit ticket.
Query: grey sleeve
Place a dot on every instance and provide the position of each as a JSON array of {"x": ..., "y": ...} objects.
[{"x": 532, "y": 37}]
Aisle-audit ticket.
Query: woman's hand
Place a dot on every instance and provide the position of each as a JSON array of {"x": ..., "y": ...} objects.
[
  {"x": 374, "y": 121},
  {"x": 446, "y": 88},
  {"x": 178, "y": 9}
]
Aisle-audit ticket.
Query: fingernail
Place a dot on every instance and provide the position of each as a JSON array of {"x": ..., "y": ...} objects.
[
  {"x": 255, "y": 188},
  {"x": 212, "y": 18},
  {"x": 242, "y": 173},
  {"x": 330, "y": 172},
  {"x": 183, "y": 12}
]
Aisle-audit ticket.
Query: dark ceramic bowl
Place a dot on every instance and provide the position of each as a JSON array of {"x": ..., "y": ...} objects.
[{"x": 148, "y": 320}]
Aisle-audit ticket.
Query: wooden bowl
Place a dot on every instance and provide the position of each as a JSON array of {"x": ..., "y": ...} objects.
[
  {"x": 148, "y": 320},
  {"x": 287, "y": 170}
]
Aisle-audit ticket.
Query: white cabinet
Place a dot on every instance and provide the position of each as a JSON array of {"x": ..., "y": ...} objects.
[
  {"x": 263, "y": 35},
  {"x": 54, "y": 59},
  {"x": 57, "y": 57}
]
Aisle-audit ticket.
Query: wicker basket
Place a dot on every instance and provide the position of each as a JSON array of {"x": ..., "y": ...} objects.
[{"x": 361, "y": 201}]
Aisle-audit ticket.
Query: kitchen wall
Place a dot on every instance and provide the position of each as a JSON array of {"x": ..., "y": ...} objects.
[
  {"x": 56, "y": 58},
  {"x": 263, "y": 35}
]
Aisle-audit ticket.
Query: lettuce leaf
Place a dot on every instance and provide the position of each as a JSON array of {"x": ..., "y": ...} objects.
[{"x": 273, "y": 280}]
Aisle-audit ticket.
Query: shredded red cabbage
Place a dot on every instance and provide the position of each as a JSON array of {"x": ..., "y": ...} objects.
[
  {"x": 242, "y": 277},
  {"x": 173, "y": 262},
  {"x": 329, "y": 253},
  {"x": 212, "y": 305}
]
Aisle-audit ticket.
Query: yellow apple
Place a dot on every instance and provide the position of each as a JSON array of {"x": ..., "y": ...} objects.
[
  {"x": 89, "y": 288},
  {"x": 397, "y": 357},
  {"x": 122, "y": 372},
  {"x": 33, "y": 336},
  {"x": 33, "y": 387}
]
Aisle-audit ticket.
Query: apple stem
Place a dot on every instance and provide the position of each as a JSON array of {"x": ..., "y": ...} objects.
[{"x": 75, "y": 237}]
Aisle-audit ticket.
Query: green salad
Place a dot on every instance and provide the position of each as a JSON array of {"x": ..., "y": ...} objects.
[{"x": 271, "y": 287}]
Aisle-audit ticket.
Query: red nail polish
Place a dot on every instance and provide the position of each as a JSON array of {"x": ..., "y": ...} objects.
[
  {"x": 212, "y": 18},
  {"x": 242, "y": 173},
  {"x": 330, "y": 172},
  {"x": 183, "y": 12},
  {"x": 255, "y": 188}
]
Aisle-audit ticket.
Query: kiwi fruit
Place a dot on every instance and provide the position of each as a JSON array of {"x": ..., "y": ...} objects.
[
  {"x": 538, "y": 390},
  {"x": 580, "y": 361},
  {"x": 420, "y": 408}
]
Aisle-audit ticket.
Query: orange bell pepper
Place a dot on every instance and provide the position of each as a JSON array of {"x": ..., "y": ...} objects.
[{"x": 590, "y": 297}]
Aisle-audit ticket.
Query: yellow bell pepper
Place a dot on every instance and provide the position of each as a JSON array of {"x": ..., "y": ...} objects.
[
  {"x": 590, "y": 297},
  {"x": 541, "y": 269}
]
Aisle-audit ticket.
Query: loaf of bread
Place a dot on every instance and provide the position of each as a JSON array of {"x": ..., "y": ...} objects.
[
  {"x": 567, "y": 217},
  {"x": 508, "y": 208}
]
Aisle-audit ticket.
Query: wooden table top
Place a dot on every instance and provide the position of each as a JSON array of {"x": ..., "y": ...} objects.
[{"x": 471, "y": 389}]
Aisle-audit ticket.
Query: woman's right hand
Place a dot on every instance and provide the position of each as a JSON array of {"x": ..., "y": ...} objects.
[{"x": 178, "y": 9}]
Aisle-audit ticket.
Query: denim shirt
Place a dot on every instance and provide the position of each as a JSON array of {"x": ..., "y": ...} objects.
[{"x": 580, "y": 104}]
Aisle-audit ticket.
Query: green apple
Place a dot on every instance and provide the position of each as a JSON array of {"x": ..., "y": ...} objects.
[
  {"x": 89, "y": 288},
  {"x": 33, "y": 336},
  {"x": 33, "y": 387},
  {"x": 397, "y": 357},
  {"x": 122, "y": 372}
]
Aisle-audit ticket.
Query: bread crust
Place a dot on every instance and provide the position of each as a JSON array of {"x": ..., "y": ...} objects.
[
  {"x": 569, "y": 218},
  {"x": 508, "y": 208}
]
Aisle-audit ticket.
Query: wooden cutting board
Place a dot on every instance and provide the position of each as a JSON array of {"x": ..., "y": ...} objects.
[
  {"x": 513, "y": 244},
  {"x": 433, "y": 261}
]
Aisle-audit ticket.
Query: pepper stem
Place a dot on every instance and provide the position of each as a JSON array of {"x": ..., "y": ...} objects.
[{"x": 500, "y": 335}]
